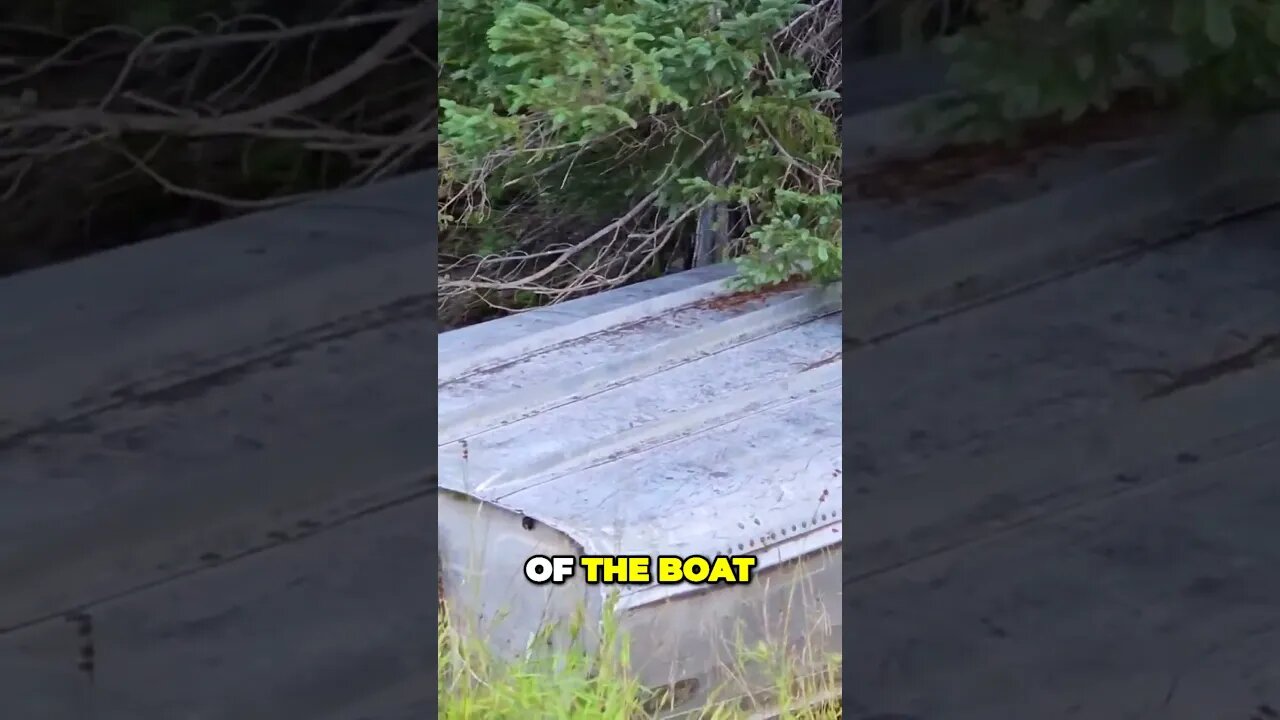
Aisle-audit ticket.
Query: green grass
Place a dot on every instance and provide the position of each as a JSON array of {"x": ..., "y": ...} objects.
[{"x": 580, "y": 685}]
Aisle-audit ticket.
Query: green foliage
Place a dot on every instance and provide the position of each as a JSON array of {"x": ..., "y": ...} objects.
[
  {"x": 1041, "y": 58},
  {"x": 597, "y": 104},
  {"x": 573, "y": 683},
  {"x": 591, "y": 677}
]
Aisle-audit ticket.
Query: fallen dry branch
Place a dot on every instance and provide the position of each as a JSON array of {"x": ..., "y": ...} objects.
[{"x": 239, "y": 113}]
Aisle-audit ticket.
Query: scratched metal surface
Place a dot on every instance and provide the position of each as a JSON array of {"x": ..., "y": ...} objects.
[
  {"x": 80, "y": 336},
  {"x": 672, "y": 417},
  {"x": 474, "y": 338},
  {"x": 1075, "y": 514},
  {"x": 646, "y": 399},
  {"x": 875, "y": 221},
  {"x": 614, "y": 428},
  {"x": 1067, "y": 352},
  {"x": 575, "y": 353},
  {"x": 213, "y": 480}
]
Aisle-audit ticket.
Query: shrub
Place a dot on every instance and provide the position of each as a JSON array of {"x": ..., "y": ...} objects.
[
  {"x": 641, "y": 112},
  {"x": 1035, "y": 58}
]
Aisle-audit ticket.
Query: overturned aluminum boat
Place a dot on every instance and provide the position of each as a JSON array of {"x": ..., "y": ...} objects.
[{"x": 672, "y": 417}]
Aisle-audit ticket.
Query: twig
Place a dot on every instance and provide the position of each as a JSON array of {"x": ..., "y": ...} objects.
[
  {"x": 231, "y": 123},
  {"x": 293, "y": 32}
]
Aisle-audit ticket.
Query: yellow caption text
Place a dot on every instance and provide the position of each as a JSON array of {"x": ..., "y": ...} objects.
[{"x": 640, "y": 569}]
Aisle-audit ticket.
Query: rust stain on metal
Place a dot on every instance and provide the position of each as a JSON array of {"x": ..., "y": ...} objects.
[
  {"x": 900, "y": 178},
  {"x": 1261, "y": 352},
  {"x": 742, "y": 297},
  {"x": 825, "y": 361},
  {"x": 720, "y": 303}
]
